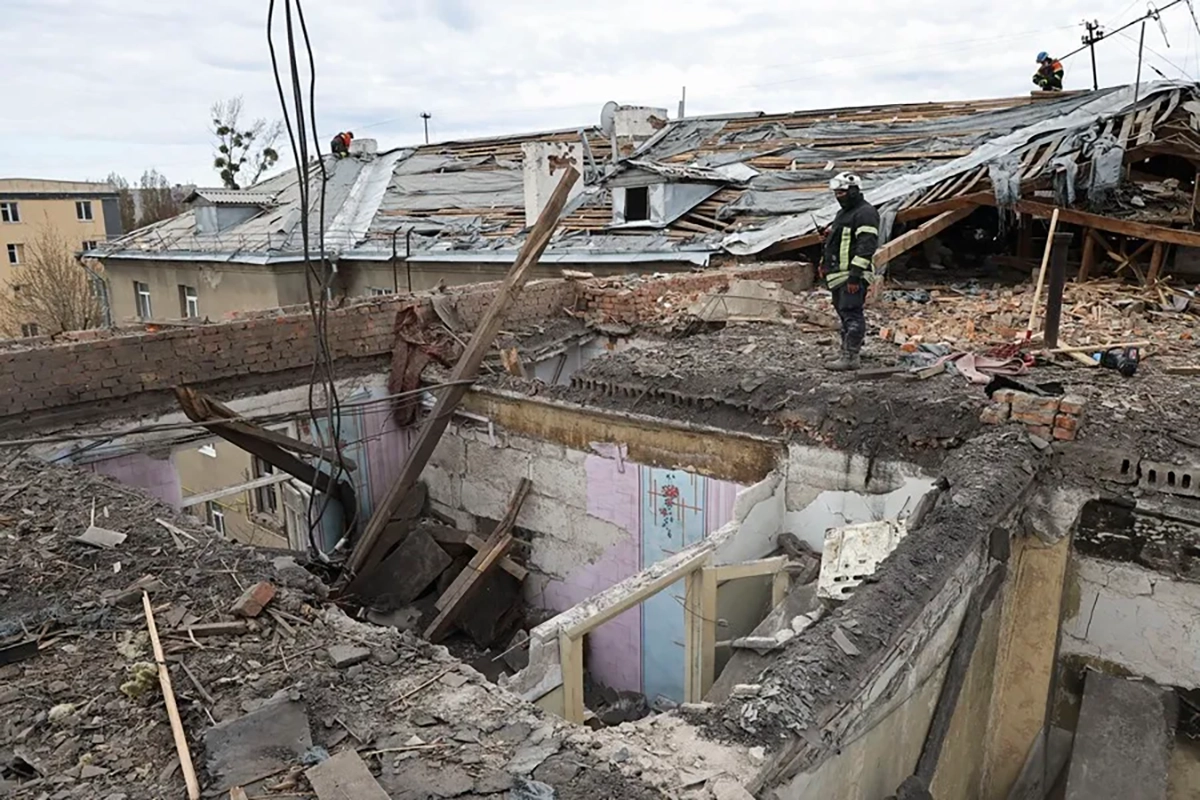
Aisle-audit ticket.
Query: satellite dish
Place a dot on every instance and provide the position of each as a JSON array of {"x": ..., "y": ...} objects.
[{"x": 607, "y": 116}]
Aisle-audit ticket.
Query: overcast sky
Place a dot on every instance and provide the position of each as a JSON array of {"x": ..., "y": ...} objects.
[{"x": 125, "y": 85}]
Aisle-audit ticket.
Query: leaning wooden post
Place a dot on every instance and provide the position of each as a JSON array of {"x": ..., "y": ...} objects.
[
  {"x": 164, "y": 679},
  {"x": 1054, "y": 292},
  {"x": 1041, "y": 279},
  {"x": 365, "y": 552}
]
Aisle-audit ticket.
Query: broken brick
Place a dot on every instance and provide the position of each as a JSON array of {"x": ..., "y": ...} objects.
[
  {"x": 254, "y": 600},
  {"x": 1040, "y": 431},
  {"x": 1067, "y": 422},
  {"x": 995, "y": 414},
  {"x": 1072, "y": 404},
  {"x": 1038, "y": 418},
  {"x": 1034, "y": 404},
  {"x": 1064, "y": 435},
  {"x": 347, "y": 655},
  {"x": 1004, "y": 396}
]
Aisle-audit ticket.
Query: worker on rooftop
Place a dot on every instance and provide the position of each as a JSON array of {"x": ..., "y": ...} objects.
[
  {"x": 341, "y": 144},
  {"x": 1050, "y": 73},
  {"x": 847, "y": 265}
]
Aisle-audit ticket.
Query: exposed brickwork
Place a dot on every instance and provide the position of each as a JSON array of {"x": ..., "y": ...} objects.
[
  {"x": 98, "y": 373},
  {"x": 1047, "y": 417},
  {"x": 639, "y": 301}
]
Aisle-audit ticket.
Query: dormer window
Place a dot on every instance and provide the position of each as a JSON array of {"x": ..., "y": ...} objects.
[{"x": 637, "y": 204}]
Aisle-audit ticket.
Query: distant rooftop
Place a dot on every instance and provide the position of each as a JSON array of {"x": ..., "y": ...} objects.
[{"x": 37, "y": 186}]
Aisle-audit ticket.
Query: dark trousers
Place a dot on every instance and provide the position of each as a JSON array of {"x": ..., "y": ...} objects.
[{"x": 849, "y": 299}]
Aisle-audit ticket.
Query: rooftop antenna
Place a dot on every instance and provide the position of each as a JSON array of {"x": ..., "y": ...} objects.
[{"x": 426, "y": 116}]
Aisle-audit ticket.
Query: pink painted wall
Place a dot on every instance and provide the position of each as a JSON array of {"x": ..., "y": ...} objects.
[
  {"x": 387, "y": 447},
  {"x": 156, "y": 475}
]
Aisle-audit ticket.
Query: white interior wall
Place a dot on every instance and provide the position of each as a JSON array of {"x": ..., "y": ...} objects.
[{"x": 1136, "y": 618}]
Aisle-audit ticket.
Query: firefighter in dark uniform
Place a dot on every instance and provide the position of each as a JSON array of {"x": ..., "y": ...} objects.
[
  {"x": 846, "y": 264},
  {"x": 1050, "y": 73}
]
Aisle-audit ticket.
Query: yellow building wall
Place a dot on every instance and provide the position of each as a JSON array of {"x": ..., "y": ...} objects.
[
  {"x": 200, "y": 473},
  {"x": 48, "y": 205},
  {"x": 220, "y": 288}
]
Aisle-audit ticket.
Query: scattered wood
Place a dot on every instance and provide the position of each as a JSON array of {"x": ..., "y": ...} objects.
[
  {"x": 164, "y": 679},
  {"x": 511, "y": 360},
  {"x": 199, "y": 687},
  {"x": 13, "y": 653},
  {"x": 238, "y": 793},
  {"x": 1041, "y": 279},
  {"x": 222, "y": 628},
  {"x": 577, "y": 275},
  {"x": 1183, "y": 370},
  {"x": 102, "y": 537},
  {"x": 1096, "y": 348},
  {"x": 468, "y": 582},
  {"x": 923, "y": 373}
]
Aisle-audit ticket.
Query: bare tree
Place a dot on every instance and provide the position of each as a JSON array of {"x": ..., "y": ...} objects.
[
  {"x": 125, "y": 201},
  {"x": 50, "y": 289},
  {"x": 244, "y": 151},
  {"x": 159, "y": 200}
]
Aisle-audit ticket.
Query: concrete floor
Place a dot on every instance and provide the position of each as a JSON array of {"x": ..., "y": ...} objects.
[{"x": 1184, "y": 781}]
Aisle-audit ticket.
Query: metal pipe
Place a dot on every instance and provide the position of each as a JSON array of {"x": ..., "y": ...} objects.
[
  {"x": 407, "y": 255},
  {"x": 395, "y": 255},
  {"x": 1054, "y": 293}
]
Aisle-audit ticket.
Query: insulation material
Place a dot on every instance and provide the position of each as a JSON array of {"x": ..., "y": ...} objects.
[
  {"x": 853, "y": 553},
  {"x": 1066, "y": 171},
  {"x": 1108, "y": 165},
  {"x": 1005, "y": 174}
]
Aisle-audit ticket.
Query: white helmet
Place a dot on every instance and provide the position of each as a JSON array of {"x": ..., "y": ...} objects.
[{"x": 845, "y": 180}]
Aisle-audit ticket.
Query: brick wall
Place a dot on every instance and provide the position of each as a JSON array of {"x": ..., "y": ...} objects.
[
  {"x": 99, "y": 373},
  {"x": 634, "y": 299}
]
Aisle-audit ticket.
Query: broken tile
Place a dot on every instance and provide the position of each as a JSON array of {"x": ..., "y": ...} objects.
[
  {"x": 530, "y": 757},
  {"x": 101, "y": 537},
  {"x": 344, "y": 656},
  {"x": 345, "y": 775},
  {"x": 843, "y": 641}
]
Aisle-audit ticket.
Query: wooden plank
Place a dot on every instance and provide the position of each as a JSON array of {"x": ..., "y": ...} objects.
[
  {"x": 708, "y": 636},
  {"x": 1138, "y": 230},
  {"x": 469, "y": 580},
  {"x": 693, "y": 634},
  {"x": 636, "y": 596},
  {"x": 456, "y": 542},
  {"x": 933, "y": 209},
  {"x": 909, "y": 240},
  {"x": 750, "y": 569},
  {"x": 570, "y": 653},
  {"x": 1089, "y": 255},
  {"x": 506, "y": 563},
  {"x": 164, "y": 679},
  {"x": 1037, "y": 291},
  {"x": 219, "y": 409},
  {"x": 798, "y": 243},
  {"x": 1157, "y": 258},
  {"x": 217, "y": 494},
  {"x": 1096, "y": 348},
  {"x": 365, "y": 554},
  {"x": 344, "y": 776},
  {"x": 780, "y": 585}
]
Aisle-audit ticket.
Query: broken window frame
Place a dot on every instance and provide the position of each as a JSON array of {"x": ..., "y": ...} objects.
[
  {"x": 266, "y": 498},
  {"x": 10, "y": 212},
  {"x": 83, "y": 211},
  {"x": 141, "y": 300},
  {"x": 89, "y": 245},
  {"x": 30, "y": 330},
  {"x": 215, "y": 516},
  {"x": 379, "y": 291},
  {"x": 16, "y": 254}
]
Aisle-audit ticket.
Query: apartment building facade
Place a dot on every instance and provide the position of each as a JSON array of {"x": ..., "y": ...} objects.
[{"x": 80, "y": 215}]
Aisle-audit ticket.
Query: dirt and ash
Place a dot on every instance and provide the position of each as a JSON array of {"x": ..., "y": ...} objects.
[{"x": 84, "y": 717}]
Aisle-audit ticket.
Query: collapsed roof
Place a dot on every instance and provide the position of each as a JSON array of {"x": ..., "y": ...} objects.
[{"x": 757, "y": 182}]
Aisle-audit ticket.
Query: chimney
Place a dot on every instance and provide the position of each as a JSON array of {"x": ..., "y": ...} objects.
[
  {"x": 366, "y": 148},
  {"x": 543, "y": 167},
  {"x": 633, "y": 125}
]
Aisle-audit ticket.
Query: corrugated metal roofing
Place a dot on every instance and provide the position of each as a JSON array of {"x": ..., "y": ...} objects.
[{"x": 231, "y": 197}]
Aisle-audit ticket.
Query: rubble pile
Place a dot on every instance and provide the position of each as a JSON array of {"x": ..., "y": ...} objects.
[{"x": 271, "y": 678}]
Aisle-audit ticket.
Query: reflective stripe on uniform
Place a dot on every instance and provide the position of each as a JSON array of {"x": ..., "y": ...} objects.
[
  {"x": 860, "y": 262},
  {"x": 867, "y": 229},
  {"x": 844, "y": 250}
]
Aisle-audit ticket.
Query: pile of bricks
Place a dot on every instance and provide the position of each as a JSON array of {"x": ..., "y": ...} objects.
[{"x": 1048, "y": 417}]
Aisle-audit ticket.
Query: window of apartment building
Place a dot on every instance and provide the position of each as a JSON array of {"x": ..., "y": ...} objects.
[
  {"x": 83, "y": 210},
  {"x": 215, "y": 516},
  {"x": 377, "y": 291},
  {"x": 266, "y": 498},
  {"x": 16, "y": 254},
  {"x": 141, "y": 293},
  {"x": 89, "y": 244},
  {"x": 10, "y": 212},
  {"x": 189, "y": 302},
  {"x": 30, "y": 330}
]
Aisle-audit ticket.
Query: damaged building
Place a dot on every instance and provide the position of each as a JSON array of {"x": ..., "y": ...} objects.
[{"x": 682, "y": 559}]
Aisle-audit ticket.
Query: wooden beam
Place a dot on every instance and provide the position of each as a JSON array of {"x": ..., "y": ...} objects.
[
  {"x": 456, "y": 542},
  {"x": 469, "y": 581},
  {"x": 797, "y": 243},
  {"x": 1089, "y": 255},
  {"x": 708, "y": 630},
  {"x": 164, "y": 679},
  {"x": 570, "y": 653},
  {"x": 693, "y": 634},
  {"x": 196, "y": 407},
  {"x": 635, "y": 596},
  {"x": 1041, "y": 280},
  {"x": 217, "y": 494},
  {"x": 934, "y": 209},
  {"x": 928, "y": 230},
  {"x": 1138, "y": 230},
  {"x": 750, "y": 569},
  {"x": 365, "y": 554},
  {"x": 781, "y": 584},
  {"x": 223, "y": 411},
  {"x": 1156, "y": 263}
]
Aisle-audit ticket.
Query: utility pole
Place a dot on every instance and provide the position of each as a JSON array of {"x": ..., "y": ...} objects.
[
  {"x": 683, "y": 103},
  {"x": 426, "y": 116},
  {"x": 1137, "y": 86},
  {"x": 1095, "y": 32}
]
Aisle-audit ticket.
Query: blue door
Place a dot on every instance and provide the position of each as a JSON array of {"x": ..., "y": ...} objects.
[{"x": 672, "y": 519}]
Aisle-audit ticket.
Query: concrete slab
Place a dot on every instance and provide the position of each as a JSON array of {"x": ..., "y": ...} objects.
[
  {"x": 405, "y": 574},
  {"x": 1124, "y": 741},
  {"x": 342, "y": 776},
  {"x": 242, "y": 751}
]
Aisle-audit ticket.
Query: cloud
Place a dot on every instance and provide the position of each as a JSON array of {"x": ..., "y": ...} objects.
[{"x": 126, "y": 85}]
